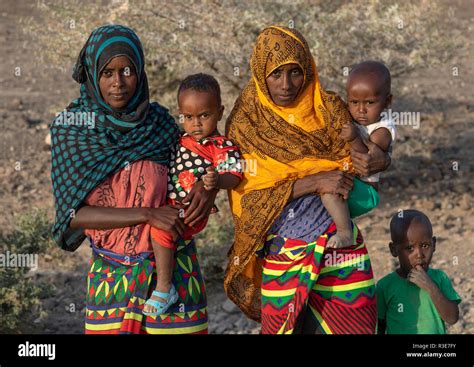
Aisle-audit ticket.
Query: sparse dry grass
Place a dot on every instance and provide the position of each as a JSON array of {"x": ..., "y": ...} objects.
[{"x": 217, "y": 36}]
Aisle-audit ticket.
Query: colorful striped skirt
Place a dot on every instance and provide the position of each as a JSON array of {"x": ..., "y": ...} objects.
[
  {"x": 119, "y": 285},
  {"x": 335, "y": 287}
]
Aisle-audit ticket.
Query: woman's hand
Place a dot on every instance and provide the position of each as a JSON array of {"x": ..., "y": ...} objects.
[
  {"x": 201, "y": 202},
  {"x": 168, "y": 218},
  {"x": 374, "y": 161},
  {"x": 331, "y": 182}
]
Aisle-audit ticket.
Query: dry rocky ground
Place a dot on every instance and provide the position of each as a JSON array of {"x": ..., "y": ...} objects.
[{"x": 432, "y": 171}]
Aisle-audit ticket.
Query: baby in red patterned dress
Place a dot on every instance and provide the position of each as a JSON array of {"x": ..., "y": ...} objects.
[{"x": 201, "y": 154}]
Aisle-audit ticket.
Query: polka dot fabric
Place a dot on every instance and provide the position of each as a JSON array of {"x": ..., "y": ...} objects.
[
  {"x": 191, "y": 158},
  {"x": 90, "y": 141},
  {"x": 103, "y": 44},
  {"x": 82, "y": 158}
]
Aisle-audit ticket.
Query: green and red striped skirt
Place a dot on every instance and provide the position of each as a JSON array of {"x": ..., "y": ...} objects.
[{"x": 335, "y": 286}]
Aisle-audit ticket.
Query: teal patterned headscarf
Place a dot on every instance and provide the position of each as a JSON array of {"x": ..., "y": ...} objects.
[{"x": 90, "y": 140}]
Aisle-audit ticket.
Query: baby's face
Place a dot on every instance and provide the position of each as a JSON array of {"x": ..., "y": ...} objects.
[
  {"x": 365, "y": 101},
  {"x": 199, "y": 112},
  {"x": 417, "y": 248}
]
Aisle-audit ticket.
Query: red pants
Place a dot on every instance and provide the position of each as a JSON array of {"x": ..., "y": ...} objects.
[{"x": 165, "y": 239}]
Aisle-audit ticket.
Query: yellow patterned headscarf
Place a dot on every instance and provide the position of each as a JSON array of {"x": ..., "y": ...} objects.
[{"x": 279, "y": 145}]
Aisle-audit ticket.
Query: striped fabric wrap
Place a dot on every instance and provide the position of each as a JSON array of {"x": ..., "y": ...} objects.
[{"x": 335, "y": 286}]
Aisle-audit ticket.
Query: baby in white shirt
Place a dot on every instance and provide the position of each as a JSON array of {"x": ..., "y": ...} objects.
[
  {"x": 368, "y": 95},
  {"x": 365, "y": 132}
]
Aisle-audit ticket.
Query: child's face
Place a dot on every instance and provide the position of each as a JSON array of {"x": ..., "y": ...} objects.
[
  {"x": 199, "y": 112},
  {"x": 118, "y": 82},
  {"x": 284, "y": 84},
  {"x": 366, "y": 103},
  {"x": 416, "y": 248}
]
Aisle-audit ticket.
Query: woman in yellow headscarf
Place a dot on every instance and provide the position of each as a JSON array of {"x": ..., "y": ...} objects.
[{"x": 288, "y": 129}]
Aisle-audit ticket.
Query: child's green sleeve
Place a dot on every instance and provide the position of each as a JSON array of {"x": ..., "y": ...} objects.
[
  {"x": 381, "y": 305},
  {"x": 362, "y": 198},
  {"x": 447, "y": 289}
]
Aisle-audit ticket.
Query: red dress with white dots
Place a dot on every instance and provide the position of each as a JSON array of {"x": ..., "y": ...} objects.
[{"x": 188, "y": 164}]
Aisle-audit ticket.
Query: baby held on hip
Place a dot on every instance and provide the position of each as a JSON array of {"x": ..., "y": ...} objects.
[{"x": 368, "y": 95}]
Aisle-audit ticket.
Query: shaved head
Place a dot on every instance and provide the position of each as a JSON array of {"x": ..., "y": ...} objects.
[
  {"x": 374, "y": 71},
  {"x": 401, "y": 222}
]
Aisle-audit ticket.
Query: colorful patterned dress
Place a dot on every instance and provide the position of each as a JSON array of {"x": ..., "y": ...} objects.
[{"x": 123, "y": 269}]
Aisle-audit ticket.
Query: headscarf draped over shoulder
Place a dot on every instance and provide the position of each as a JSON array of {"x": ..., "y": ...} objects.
[
  {"x": 90, "y": 140},
  {"x": 279, "y": 145}
]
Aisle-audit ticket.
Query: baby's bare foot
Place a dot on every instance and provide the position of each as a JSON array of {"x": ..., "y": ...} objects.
[{"x": 340, "y": 240}]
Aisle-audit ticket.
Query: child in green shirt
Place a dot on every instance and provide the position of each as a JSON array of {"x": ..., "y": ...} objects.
[{"x": 415, "y": 299}]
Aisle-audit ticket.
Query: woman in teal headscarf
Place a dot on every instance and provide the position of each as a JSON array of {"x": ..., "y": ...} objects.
[{"x": 110, "y": 151}]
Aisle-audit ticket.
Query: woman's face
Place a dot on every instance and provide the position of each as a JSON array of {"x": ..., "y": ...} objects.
[
  {"x": 284, "y": 84},
  {"x": 118, "y": 82}
]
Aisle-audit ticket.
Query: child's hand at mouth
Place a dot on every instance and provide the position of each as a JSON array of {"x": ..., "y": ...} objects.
[{"x": 418, "y": 276}]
